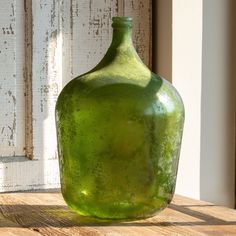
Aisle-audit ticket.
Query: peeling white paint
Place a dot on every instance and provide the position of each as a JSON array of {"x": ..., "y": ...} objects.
[
  {"x": 11, "y": 78},
  {"x": 140, "y": 10}
]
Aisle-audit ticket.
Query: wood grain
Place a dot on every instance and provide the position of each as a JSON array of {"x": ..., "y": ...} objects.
[
  {"x": 47, "y": 214},
  {"x": 28, "y": 79}
]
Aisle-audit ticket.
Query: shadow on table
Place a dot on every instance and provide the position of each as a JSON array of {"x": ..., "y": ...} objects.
[{"x": 60, "y": 216}]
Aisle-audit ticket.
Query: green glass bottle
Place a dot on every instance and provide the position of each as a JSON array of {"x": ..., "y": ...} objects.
[{"x": 119, "y": 130}]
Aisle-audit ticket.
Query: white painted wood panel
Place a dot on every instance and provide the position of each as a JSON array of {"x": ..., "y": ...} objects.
[
  {"x": 141, "y": 12},
  {"x": 68, "y": 38},
  {"x": 20, "y": 173},
  {"x": 11, "y": 78},
  {"x": 91, "y": 32},
  {"x": 46, "y": 75}
]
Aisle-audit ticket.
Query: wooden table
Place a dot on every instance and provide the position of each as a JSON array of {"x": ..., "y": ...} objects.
[{"x": 46, "y": 214}]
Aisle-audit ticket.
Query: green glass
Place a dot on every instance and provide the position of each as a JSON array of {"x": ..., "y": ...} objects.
[{"x": 119, "y": 130}]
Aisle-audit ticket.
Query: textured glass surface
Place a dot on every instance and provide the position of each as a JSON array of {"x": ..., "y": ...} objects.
[{"x": 119, "y": 132}]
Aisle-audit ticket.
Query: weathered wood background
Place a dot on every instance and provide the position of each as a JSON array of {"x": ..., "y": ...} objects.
[{"x": 68, "y": 38}]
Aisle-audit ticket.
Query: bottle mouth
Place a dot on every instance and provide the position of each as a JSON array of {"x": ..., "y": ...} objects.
[{"x": 122, "y": 22}]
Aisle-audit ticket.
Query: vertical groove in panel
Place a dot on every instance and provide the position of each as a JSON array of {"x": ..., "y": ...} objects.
[
  {"x": 28, "y": 79},
  {"x": 121, "y": 9}
]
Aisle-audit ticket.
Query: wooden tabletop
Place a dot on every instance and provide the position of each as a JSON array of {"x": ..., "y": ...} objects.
[{"x": 47, "y": 214}]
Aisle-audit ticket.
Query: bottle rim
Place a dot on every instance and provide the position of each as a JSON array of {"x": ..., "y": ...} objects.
[{"x": 122, "y": 22}]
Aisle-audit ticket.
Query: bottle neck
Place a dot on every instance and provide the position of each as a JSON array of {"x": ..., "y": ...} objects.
[
  {"x": 122, "y": 37},
  {"x": 121, "y": 50}
]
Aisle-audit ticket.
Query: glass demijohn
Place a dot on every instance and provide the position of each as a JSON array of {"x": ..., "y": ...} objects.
[{"x": 119, "y": 129}]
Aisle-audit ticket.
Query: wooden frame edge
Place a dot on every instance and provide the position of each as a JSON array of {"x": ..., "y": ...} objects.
[{"x": 28, "y": 80}]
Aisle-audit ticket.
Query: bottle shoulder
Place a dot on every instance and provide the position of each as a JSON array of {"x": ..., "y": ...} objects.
[
  {"x": 158, "y": 97},
  {"x": 104, "y": 77},
  {"x": 110, "y": 75}
]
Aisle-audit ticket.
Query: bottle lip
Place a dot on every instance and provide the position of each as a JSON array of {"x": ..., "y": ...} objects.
[{"x": 122, "y": 22}]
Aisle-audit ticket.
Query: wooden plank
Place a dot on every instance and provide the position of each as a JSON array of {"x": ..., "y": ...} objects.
[
  {"x": 212, "y": 219},
  {"x": 86, "y": 34},
  {"x": 140, "y": 11},
  {"x": 38, "y": 213},
  {"x": 22, "y": 174},
  {"x": 9, "y": 228},
  {"x": 11, "y": 78},
  {"x": 28, "y": 79},
  {"x": 46, "y": 73},
  {"x": 91, "y": 32},
  {"x": 47, "y": 214},
  {"x": 66, "y": 22},
  {"x": 12, "y": 116}
]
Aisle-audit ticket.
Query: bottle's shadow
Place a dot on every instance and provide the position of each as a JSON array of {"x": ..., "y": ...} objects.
[{"x": 59, "y": 216}]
